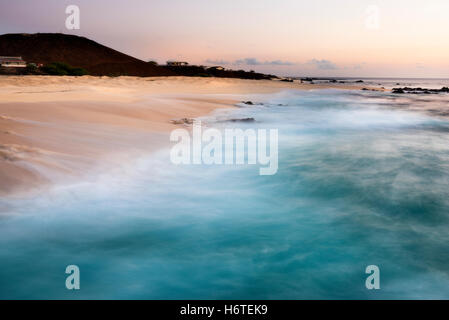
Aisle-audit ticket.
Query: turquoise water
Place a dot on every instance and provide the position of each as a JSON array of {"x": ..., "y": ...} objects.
[{"x": 363, "y": 179}]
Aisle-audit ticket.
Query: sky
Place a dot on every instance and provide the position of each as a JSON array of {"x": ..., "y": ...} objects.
[{"x": 328, "y": 38}]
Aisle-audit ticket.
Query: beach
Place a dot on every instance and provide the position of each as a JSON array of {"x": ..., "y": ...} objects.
[
  {"x": 60, "y": 129},
  {"x": 352, "y": 189}
]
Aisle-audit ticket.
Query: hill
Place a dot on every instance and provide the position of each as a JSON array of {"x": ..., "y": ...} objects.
[
  {"x": 78, "y": 52},
  {"x": 74, "y": 55}
]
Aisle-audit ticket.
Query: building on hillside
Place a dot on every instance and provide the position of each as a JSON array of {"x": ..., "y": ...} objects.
[
  {"x": 177, "y": 63},
  {"x": 12, "y": 62},
  {"x": 218, "y": 68}
]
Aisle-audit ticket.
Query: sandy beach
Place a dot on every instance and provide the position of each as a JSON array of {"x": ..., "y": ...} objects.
[
  {"x": 53, "y": 129},
  {"x": 190, "y": 152}
]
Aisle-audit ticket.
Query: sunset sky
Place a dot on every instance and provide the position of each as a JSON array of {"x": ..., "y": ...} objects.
[{"x": 382, "y": 38}]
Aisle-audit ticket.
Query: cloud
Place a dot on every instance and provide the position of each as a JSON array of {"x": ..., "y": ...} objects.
[
  {"x": 217, "y": 62},
  {"x": 322, "y": 64},
  {"x": 255, "y": 62},
  {"x": 420, "y": 65},
  {"x": 250, "y": 62},
  {"x": 359, "y": 66},
  {"x": 280, "y": 63}
]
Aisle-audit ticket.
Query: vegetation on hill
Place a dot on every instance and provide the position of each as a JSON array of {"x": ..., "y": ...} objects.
[
  {"x": 201, "y": 71},
  {"x": 63, "y": 69}
]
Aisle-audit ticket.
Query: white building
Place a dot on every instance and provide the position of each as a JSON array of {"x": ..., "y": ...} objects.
[
  {"x": 219, "y": 68},
  {"x": 12, "y": 62},
  {"x": 177, "y": 63}
]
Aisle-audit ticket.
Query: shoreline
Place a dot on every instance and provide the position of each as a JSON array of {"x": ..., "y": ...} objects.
[{"x": 57, "y": 129}]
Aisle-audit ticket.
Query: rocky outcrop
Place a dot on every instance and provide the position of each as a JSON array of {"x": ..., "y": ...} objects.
[{"x": 419, "y": 90}]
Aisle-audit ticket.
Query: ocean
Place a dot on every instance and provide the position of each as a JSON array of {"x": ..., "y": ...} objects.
[{"x": 363, "y": 179}]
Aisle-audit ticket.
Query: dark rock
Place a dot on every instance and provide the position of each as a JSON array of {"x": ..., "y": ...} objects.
[
  {"x": 182, "y": 121},
  {"x": 242, "y": 120},
  {"x": 420, "y": 90},
  {"x": 398, "y": 90}
]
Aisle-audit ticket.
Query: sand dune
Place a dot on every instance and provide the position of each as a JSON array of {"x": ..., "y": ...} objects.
[{"x": 53, "y": 129}]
